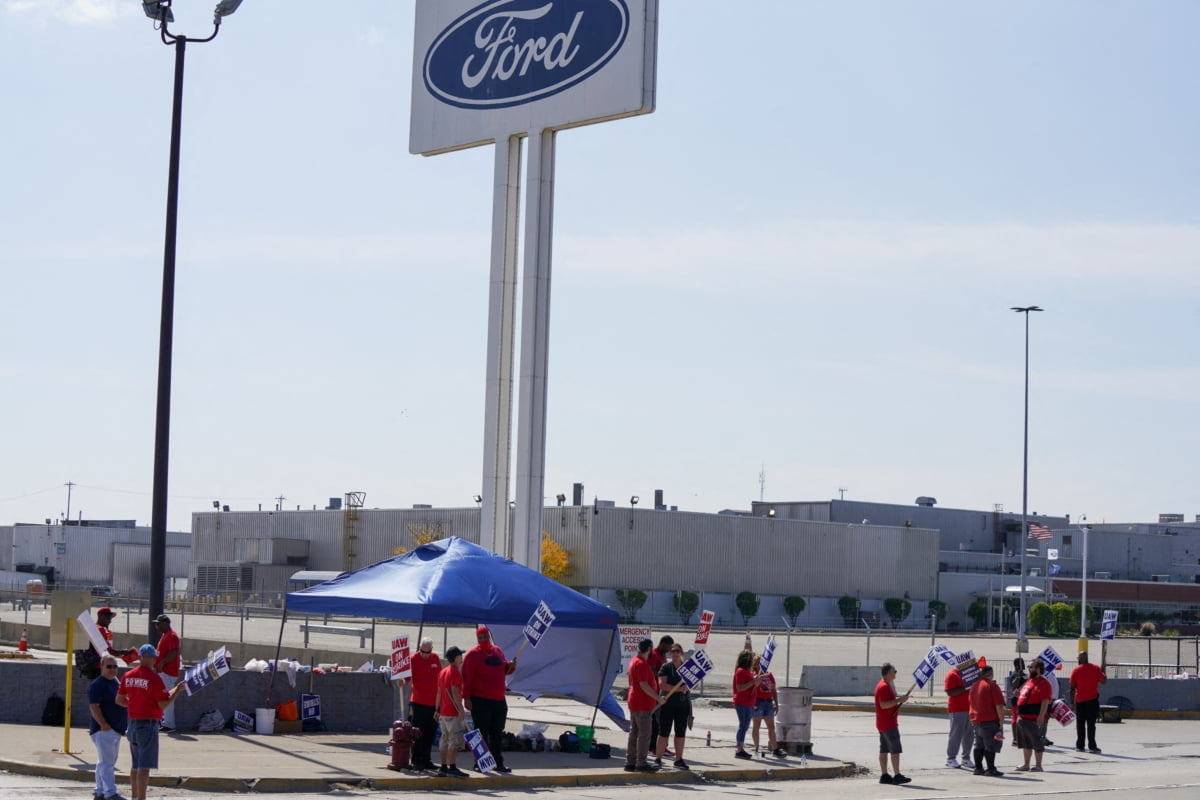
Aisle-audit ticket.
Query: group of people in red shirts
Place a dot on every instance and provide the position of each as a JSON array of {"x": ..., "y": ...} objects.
[
  {"x": 977, "y": 715},
  {"x": 442, "y": 695},
  {"x": 132, "y": 705}
]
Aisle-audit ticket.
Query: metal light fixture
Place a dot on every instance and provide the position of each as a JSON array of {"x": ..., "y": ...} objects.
[
  {"x": 217, "y": 504},
  {"x": 561, "y": 498},
  {"x": 160, "y": 12},
  {"x": 1022, "y": 642},
  {"x": 770, "y": 512},
  {"x": 478, "y": 498},
  {"x": 633, "y": 501}
]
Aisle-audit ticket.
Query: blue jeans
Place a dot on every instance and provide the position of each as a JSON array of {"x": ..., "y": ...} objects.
[
  {"x": 745, "y": 714},
  {"x": 108, "y": 747}
]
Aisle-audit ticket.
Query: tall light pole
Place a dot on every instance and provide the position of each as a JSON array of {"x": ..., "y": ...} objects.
[
  {"x": 160, "y": 12},
  {"x": 1022, "y": 642},
  {"x": 1083, "y": 635}
]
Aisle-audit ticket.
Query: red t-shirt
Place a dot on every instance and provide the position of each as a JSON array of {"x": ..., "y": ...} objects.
[
  {"x": 960, "y": 702},
  {"x": 984, "y": 696},
  {"x": 425, "y": 672},
  {"x": 1086, "y": 680},
  {"x": 766, "y": 687},
  {"x": 168, "y": 641},
  {"x": 1033, "y": 692},
  {"x": 143, "y": 690},
  {"x": 885, "y": 718},
  {"x": 639, "y": 670},
  {"x": 745, "y": 697},
  {"x": 483, "y": 672},
  {"x": 447, "y": 678}
]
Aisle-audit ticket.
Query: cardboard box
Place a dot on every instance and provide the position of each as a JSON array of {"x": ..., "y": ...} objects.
[{"x": 288, "y": 726}]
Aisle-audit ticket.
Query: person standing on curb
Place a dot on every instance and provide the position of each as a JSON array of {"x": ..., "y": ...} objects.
[
  {"x": 107, "y": 727},
  {"x": 676, "y": 710},
  {"x": 987, "y": 715},
  {"x": 143, "y": 693},
  {"x": 104, "y": 618},
  {"x": 484, "y": 670},
  {"x": 958, "y": 705},
  {"x": 745, "y": 687},
  {"x": 643, "y": 700},
  {"x": 887, "y": 722},
  {"x": 659, "y": 657},
  {"x": 451, "y": 713},
  {"x": 1031, "y": 709},
  {"x": 766, "y": 706},
  {"x": 426, "y": 668},
  {"x": 167, "y": 664},
  {"x": 1084, "y": 696}
]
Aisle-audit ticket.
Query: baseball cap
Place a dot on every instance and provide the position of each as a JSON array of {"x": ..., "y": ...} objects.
[
  {"x": 482, "y": 630},
  {"x": 163, "y": 618},
  {"x": 105, "y": 610},
  {"x": 147, "y": 651}
]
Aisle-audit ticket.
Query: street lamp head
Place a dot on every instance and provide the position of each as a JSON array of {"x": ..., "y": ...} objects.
[
  {"x": 158, "y": 10},
  {"x": 633, "y": 501},
  {"x": 1026, "y": 309},
  {"x": 224, "y": 9}
]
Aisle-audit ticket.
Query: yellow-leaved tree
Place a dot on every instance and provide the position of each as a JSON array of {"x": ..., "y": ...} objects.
[
  {"x": 422, "y": 533},
  {"x": 556, "y": 561}
]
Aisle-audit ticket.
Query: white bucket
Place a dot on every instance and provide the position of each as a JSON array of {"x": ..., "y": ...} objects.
[{"x": 264, "y": 720}]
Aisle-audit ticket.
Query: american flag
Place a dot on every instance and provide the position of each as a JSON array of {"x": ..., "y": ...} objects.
[{"x": 1039, "y": 531}]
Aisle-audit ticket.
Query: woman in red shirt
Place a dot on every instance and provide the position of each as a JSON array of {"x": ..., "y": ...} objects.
[{"x": 745, "y": 686}]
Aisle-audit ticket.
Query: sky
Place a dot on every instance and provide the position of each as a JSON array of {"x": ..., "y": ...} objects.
[{"x": 791, "y": 281}]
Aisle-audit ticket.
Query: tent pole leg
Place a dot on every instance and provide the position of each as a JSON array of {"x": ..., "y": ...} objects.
[{"x": 607, "y": 661}]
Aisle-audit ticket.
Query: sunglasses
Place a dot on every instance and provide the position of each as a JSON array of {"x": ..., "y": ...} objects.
[{"x": 110, "y": 666}]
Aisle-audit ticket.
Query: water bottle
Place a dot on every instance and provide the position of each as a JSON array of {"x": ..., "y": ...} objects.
[{"x": 708, "y": 740}]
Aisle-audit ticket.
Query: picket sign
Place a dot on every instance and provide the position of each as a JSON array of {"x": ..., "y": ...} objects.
[
  {"x": 400, "y": 665},
  {"x": 768, "y": 653},
  {"x": 479, "y": 749},
  {"x": 207, "y": 671},
  {"x": 706, "y": 623}
]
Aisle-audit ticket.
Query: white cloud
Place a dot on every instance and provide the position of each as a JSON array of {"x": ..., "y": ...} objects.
[{"x": 72, "y": 12}]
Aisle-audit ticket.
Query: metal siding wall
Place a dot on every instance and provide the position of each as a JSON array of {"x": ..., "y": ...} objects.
[{"x": 131, "y": 566}]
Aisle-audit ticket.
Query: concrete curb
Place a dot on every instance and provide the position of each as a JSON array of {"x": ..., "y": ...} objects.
[{"x": 432, "y": 783}]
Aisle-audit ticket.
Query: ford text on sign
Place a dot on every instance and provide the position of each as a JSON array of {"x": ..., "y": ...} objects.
[{"x": 483, "y": 71}]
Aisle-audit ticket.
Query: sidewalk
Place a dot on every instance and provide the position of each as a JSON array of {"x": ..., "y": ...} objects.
[{"x": 314, "y": 762}]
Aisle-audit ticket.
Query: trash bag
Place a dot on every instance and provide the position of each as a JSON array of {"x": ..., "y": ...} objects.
[{"x": 211, "y": 721}]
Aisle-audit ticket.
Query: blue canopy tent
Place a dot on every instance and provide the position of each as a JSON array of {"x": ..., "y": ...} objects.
[{"x": 453, "y": 580}]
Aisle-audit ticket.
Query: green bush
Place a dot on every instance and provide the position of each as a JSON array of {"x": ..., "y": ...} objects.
[
  {"x": 631, "y": 601},
  {"x": 897, "y": 609},
  {"x": 685, "y": 604},
  {"x": 1040, "y": 618},
  {"x": 848, "y": 608},
  {"x": 793, "y": 607},
  {"x": 1066, "y": 619},
  {"x": 747, "y": 605},
  {"x": 978, "y": 612}
]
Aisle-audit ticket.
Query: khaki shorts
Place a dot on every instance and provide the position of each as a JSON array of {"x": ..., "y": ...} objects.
[{"x": 452, "y": 733}]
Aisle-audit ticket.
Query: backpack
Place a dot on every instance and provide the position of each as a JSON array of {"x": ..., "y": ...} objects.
[
  {"x": 88, "y": 663},
  {"x": 54, "y": 712}
]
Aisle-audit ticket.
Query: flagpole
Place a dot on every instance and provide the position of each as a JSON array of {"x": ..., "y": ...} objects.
[{"x": 1022, "y": 642}]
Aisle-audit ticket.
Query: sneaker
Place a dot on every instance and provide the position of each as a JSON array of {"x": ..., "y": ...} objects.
[
  {"x": 681, "y": 764},
  {"x": 994, "y": 773},
  {"x": 1023, "y": 768},
  {"x": 668, "y": 752},
  {"x": 743, "y": 754},
  {"x": 1093, "y": 749},
  {"x": 114, "y": 796},
  {"x": 455, "y": 772},
  {"x": 779, "y": 752},
  {"x": 658, "y": 762},
  {"x": 443, "y": 770},
  {"x": 165, "y": 729},
  {"x": 977, "y": 771},
  {"x": 952, "y": 763},
  {"x": 503, "y": 770},
  {"x": 885, "y": 778},
  {"x": 1035, "y": 768},
  {"x": 968, "y": 763},
  {"x": 1079, "y": 747},
  {"x": 630, "y": 768},
  {"x": 648, "y": 768},
  {"x": 899, "y": 779}
]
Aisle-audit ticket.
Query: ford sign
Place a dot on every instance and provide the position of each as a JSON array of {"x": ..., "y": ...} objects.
[{"x": 510, "y": 52}]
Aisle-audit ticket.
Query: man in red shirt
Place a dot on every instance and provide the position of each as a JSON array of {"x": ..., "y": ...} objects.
[
  {"x": 958, "y": 704},
  {"x": 141, "y": 690},
  {"x": 987, "y": 710},
  {"x": 887, "y": 722},
  {"x": 484, "y": 670},
  {"x": 1084, "y": 697},
  {"x": 104, "y": 617},
  {"x": 451, "y": 713},
  {"x": 1032, "y": 708},
  {"x": 167, "y": 664},
  {"x": 426, "y": 666},
  {"x": 643, "y": 699},
  {"x": 658, "y": 657}
]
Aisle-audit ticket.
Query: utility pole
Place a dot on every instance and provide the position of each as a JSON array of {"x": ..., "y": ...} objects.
[
  {"x": 279, "y": 502},
  {"x": 841, "y": 493},
  {"x": 762, "y": 482},
  {"x": 69, "y": 485}
]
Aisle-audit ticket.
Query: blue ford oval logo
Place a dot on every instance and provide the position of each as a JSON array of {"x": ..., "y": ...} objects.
[{"x": 508, "y": 52}]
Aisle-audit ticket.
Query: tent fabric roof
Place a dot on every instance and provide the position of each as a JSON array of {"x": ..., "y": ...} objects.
[
  {"x": 451, "y": 580},
  {"x": 455, "y": 581}
]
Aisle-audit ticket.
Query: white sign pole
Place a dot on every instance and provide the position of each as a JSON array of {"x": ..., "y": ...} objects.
[
  {"x": 494, "y": 533},
  {"x": 535, "y": 349}
]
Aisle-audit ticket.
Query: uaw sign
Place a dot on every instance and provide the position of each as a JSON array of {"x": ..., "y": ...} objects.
[{"x": 486, "y": 70}]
